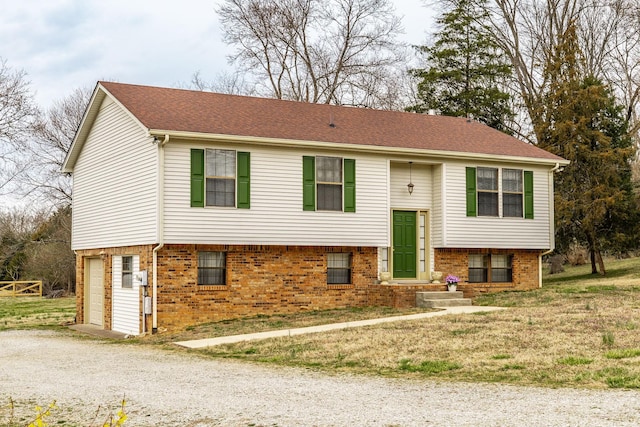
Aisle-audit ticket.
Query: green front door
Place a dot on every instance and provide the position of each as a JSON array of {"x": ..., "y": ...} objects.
[{"x": 404, "y": 245}]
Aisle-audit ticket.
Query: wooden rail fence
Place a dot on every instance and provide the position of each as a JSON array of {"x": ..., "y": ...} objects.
[{"x": 21, "y": 288}]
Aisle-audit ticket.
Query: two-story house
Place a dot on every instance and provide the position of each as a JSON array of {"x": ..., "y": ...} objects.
[{"x": 192, "y": 206}]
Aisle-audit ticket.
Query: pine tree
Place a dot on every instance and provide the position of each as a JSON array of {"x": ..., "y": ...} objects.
[
  {"x": 466, "y": 69},
  {"x": 581, "y": 122}
]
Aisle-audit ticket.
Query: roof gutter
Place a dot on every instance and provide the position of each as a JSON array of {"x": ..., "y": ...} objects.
[
  {"x": 436, "y": 154},
  {"x": 159, "y": 230},
  {"x": 552, "y": 234}
]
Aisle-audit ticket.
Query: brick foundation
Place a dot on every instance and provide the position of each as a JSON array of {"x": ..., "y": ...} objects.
[
  {"x": 260, "y": 280},
  {"x": 524, "y": 268},
  {"x": 281, "y": 279}
]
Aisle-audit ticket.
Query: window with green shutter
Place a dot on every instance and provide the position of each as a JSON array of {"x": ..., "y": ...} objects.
[
  {"x": 220, "y": 178},
  {"x": 516, "y": 192},
  {"x": 328, "y": 184}
]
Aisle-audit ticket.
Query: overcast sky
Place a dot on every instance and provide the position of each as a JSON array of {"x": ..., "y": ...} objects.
[{"x": 65, "y": 44}]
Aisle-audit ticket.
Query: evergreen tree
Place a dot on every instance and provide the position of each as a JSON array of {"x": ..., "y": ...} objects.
[
  {"x": 466, "y": 69},
  {"x": 581, "y": 122}
]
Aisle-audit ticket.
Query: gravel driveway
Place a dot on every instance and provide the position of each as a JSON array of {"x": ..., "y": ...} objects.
[{"x": 165, "y": 388}]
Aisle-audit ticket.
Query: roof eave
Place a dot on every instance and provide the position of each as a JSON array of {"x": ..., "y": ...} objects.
[
  {"x": 88, "y": 118},
  {"x": 438, "y": 154}
]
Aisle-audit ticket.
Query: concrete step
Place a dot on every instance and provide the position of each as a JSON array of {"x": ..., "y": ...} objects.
[
  {"x": 453, "y": 302},
  {"x": 441, "y": 299},
  {"x": 438, "y": 294}
]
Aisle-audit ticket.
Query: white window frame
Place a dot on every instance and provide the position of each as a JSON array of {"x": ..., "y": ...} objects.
[{"x": 213, "y": 175}]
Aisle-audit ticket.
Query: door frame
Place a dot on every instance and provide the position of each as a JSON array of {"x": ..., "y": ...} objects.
[
  {"x": 87, "y": 290},
  {"x": 425, "y": 213}
]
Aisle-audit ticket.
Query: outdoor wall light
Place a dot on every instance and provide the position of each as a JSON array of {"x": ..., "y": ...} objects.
[{"x": 410, "y": 184}]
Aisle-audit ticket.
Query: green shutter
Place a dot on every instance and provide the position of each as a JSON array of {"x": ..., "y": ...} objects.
[
  {"x": 308, "y": 183},
  {"x": 197, "y": 178},
  {"x": 528, "y": 194},
  {"x": 243, "y": 177},
  {"x": 349, "y": 185},
  {"x": 471, "y": 192}
]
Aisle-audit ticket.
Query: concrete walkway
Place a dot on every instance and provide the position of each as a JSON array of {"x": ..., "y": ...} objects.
[{"x": 209, "y": 342}]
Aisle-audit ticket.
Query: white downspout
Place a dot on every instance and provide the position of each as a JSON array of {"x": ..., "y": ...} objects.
[
  {"x": 552, "y": 238},
  {"x": 159, "y": 233}
]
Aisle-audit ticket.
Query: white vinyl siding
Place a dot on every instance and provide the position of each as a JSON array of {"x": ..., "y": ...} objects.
[
  {"x": 276, "y": 216},
  {"x": 438, "y": 207},
  {"x": 421, "y": 199},
  {"x": 114, "y": 184},
  {"x": 421, "y": 177},
  {"x": 494, "y": 232},
  {"x": 126, "y": 301}
]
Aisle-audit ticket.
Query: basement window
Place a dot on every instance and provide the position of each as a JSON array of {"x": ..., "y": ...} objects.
[
  {"x": 338, "y": 268},
  {"x": 490, "y": 268},
  {"x": 212, "y": 268}
]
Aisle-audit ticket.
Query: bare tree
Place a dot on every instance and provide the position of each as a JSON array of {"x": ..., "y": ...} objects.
[
  {"x": 609, "y": 38},
  {"x": 333, "y": 51},
  {"x": 231, "y": 83},
  {"x": 51, "y": 139},
  {"x": 17, "y": 114}
]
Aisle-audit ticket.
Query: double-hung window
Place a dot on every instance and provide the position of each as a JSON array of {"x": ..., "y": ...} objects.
[
  {"x": 220, "y": 177},
  {"x": 338, "y": 268},
  {"x": 478, "y": 268},
  {"x": 328, "y": 184},
  {"x": 501, "y": 270},
  {"x": 487, "y": 192},
  {"x": 212, "y": 268},
  {"x": 512, "y": 194}
]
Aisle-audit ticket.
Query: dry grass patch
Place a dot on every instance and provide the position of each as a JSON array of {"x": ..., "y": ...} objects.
[
  {"x": 578, "y": 331},
  {"x": 35, "y": 312},
  {"x": 263, "y": 323}
]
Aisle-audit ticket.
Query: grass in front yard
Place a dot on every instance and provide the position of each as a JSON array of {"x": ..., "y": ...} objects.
[
  {"x": 274, "y": 322},
  {"x": 579, "y": 330},
  {"x": 35, "y": 312}
]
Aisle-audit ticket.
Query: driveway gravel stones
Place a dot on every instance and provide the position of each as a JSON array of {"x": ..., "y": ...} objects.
[{"x": 176, "y": 388}]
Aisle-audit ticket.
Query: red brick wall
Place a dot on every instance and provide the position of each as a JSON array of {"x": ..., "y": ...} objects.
[
  {"x": 260, "y": 280},
  {"x": 400, "y": 295},
  {"x": 456, "y": 261}
]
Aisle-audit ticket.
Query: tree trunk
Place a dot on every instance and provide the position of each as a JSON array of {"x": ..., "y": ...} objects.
[
  {"x": 592, "y": 255},
  {"x": 600, "y": 263}
]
